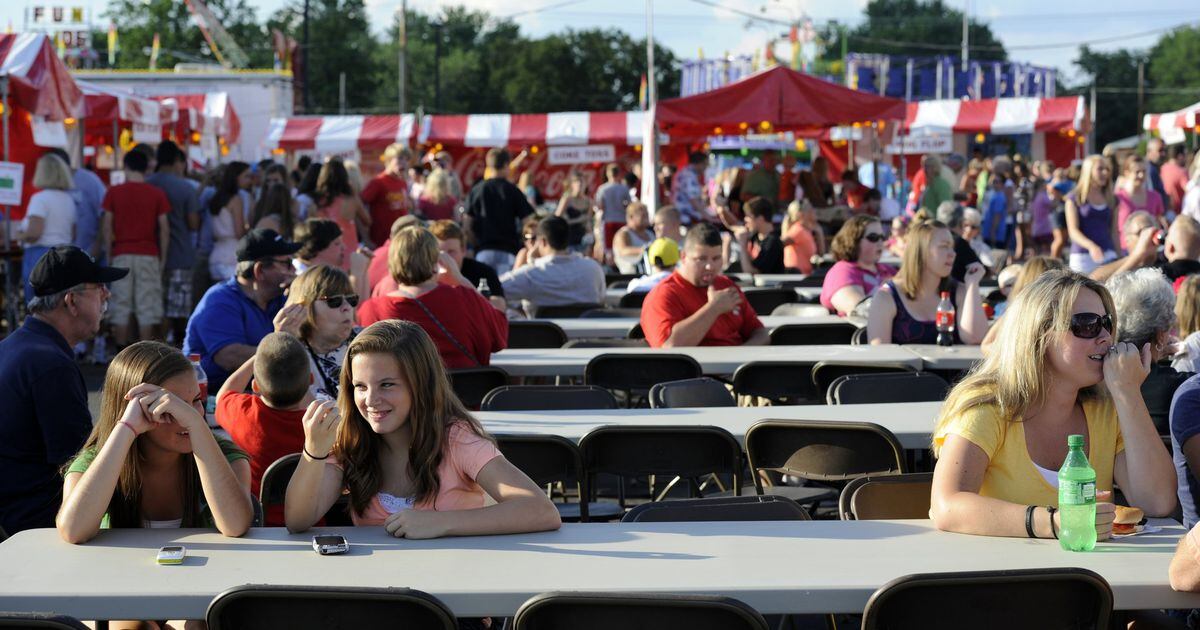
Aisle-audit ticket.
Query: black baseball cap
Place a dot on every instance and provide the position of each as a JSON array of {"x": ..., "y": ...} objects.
[
  {"x": 263, "y": 243},
  {"x": 67, "y": 266}
]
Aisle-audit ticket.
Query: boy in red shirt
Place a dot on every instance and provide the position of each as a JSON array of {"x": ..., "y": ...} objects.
[
  {"x": 136, "y": 232},
  {"x": 696, "y": 306},
  {"x": 387, "y": 195},
  {"x": 268, "y": 424}
]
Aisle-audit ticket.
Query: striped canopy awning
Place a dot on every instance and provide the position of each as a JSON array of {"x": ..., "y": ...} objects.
[
  {"x": 996, "y": 116},
  {"x": 1186, "y": 118},
  {"x": 337, "y": 134}
]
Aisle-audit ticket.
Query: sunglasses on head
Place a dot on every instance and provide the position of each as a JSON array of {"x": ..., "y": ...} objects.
[
  {"x": 1088, "y": 325},
  {"x": 335, "y": 301},
  {"x": 874, "y": 238}
]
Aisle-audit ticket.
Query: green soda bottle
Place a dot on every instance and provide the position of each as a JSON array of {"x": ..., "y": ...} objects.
[{"x": 1077, "y": 499}]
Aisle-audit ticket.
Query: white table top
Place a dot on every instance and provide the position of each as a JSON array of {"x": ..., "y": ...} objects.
[
  {"x": 618, "y": 327},
  {"x": 115, "y": 575},
  {"x": 912, "y": 423},
  {"x": 947, "y": 357},
  {"x": 721, "y": 360}
]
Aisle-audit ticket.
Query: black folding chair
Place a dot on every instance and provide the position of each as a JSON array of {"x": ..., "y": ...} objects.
[
  {"x": 781, "y": 382},
  {"x": 886, "y": 497},
  {"x": 604, "y": 611},
  {"x": 564, "y": 311},
  {"x": 3, "y": 535},
  {"x": 824, "y": 373},
  {"x": 39, "y": 621},
  {"x": 549, "y": 460},
  {"x": 327, "y": 608},
  {"x": 750, "y": 508},
  {"x": 535, "y": 334},
  {"x": 992, "y": 600},
  {"x": 635, "y": 374},
  {"x": 610, "y": 313},
  {"x": 692, "y": 392},
  {"x": 472, "y": 384},
  {"x": 765, "y": 299},
  {"x": 548, "y": 398},
  {"x": 636, "y": 332},
  {"x": 857, "y": 389},
  {"x": 812, "y": 334},
  {"x": 607, "y": 343},
  {"x": 633, "y": 300},
  {"x": 272, "y": 490},
  {"x": 684, "y": 452}
]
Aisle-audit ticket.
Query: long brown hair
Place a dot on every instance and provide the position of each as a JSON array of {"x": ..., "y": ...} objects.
[
  {"x": 916, "y": 256},
  {"x": 276, "y": 199},
  {"x": 435, "y": 407},
  {"x": 845, "y": 242},
  {"x": 143, "y": 362},
  {"x": 1187, "y": 306}
]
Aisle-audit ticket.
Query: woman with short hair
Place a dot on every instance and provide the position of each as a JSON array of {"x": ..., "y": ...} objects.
[
  {"x": 329, "y": 300},
  {"x": 857, "y": 272}
]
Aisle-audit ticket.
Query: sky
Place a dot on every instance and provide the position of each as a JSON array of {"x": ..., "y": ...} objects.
[{"x": 689, "y": 26}]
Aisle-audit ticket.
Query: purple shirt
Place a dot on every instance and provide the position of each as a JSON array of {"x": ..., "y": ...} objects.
[
  {"x": 845, "y": 273},
  {"x": 1096, "y": 224}
]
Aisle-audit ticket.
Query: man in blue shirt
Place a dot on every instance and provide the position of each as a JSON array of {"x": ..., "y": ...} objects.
[
  {"x": 46, "y": 419},
  {"x": 233, "y": 316},
  {"x": 1185, "y": 426}
]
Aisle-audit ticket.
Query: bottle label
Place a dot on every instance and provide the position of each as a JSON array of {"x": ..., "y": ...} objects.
[
  {"x": 945, "y": 319},
  {"x": 1076, "y": 492}
]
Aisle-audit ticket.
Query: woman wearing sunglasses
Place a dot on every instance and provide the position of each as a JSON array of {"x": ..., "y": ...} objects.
[
  {"x": 1056, "y": 370},
  {"x": 857, "y": 272},
  {"x": 327, "y": 300}
]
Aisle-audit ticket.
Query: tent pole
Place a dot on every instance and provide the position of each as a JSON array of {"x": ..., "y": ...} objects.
[
  {"x": 7, "y": 209},
  {"x": 11, "y": 297}
]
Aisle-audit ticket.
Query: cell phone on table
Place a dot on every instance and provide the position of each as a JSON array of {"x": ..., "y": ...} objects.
[
  {"x": 171, "y": 555},
  {"x": 330, "y": 544}
]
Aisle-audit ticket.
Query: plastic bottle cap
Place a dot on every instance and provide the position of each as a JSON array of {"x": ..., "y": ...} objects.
[
  {"x": 1074, "y": 440},
  {"x": 945, "y": 294},
  {"x": 194, "y": 358}
]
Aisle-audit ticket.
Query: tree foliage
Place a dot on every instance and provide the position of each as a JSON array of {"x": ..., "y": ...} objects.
[
  {"x": 180, "y": 41},
  {"x": 921, "y": 29},
  {"x": 1173, "y": 65},
  {"x": 1117, "y": 112},
  {"x": 339, "y": 42}
]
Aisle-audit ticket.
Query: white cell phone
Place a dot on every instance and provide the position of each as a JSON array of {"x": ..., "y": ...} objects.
[
  {"x": 330, "y": 544},
  {"x": 171, "y": 555}
]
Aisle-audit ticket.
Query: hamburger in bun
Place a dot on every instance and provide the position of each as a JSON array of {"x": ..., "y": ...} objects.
[{"x": 1126, "y": 520}]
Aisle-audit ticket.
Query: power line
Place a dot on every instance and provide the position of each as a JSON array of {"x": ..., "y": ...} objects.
[
  {"x": 1103, "y": 40},
  {"x": 548, "y": 7}
]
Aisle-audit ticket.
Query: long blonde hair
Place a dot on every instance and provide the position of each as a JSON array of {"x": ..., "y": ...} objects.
[
  {"x": 1187, "y": 306},
  {"x": 437, "y": 186},
  {"x": 1013, "y": 375},
  {"x": 143, "y": 362},
  {"x": 1084, "y": 189},
  {"x": 918, "y": 240},
  {"x": 435, "y": 407}
]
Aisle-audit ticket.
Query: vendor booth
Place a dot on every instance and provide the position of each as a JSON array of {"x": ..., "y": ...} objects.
[
  {"x": 204, "y": 125},
  {"x": 1172, "y": 127}
]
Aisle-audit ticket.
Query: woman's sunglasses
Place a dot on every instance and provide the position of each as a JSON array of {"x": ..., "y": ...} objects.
[
  {"x": 335, "y": 301},
  {"x": 1088, "y": 325},
  {"x": 874, "y": 238}
]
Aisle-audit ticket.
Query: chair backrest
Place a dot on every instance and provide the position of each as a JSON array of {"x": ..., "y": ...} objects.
[
  {"x": 636, "y": 332},
  {"x": 754, "y": 508},
  {"x": 607, "y": 343},
  {"x": 857, "y": 389},
  {"x": 563, "y": 311},
  {"x": 611, "y": 278},
  {"x": 780, "y": 381},
  {"x": 548, "y": 398},
  {"x": 3, "y": 535},
  {"x": 546, "y": 459},
  {"x": 809, "y": 281},
  {"x": 824, "y": 373},
  {"x": 686, "y": 451},
  {"x": 275, "y": 479},
  {"x": 610, "y": 313},
  {"x": 822, "y": 450},
  {"x": 535, "y": 334},
  {"x": 992, "y": 600},
  {"x": 597, "y": 611},
  {"x": 633, "y": 300},
  {"x": 691, "y": 392},
  {"x": 813, "y": 334},
  {"x": 860, "y": 337},
  {"x": 472, "y": 384},
  {"x": 327, "y": 608},
  {"x": 765, "y": 299},
  {"x": 639, "y": 372},
  {"x": 880, "y": 497},
  {"x": 39, "y": 621}
]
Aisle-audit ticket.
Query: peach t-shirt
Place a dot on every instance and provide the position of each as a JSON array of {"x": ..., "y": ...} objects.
[{"x": 466, "y": 454}]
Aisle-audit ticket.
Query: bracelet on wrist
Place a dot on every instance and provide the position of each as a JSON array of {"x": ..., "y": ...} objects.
[
  {"x": 1053, "y": 528},
  {"x": 314, "y": 457},
  {"x": 130, "y": 427},
  {"x": 1029, "y": 521}
]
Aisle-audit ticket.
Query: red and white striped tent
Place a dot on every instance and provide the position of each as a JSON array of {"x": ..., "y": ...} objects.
[
  {"x": 553, "y": 129},
  {"x": 339, "y": 134},
  {"x": 1186, "y": 118},
  {"x": 109, "y": 108},
  {"x": 996, "y": 116},
  {"x": 210, "y": 113}
]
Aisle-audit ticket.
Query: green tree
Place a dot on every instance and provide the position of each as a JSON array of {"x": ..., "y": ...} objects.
[
  {"x": 1116, "y": 112},
  {"x": 918, "y": 28},
  {"x": 340, "y": 41},
  {"x": 1173, "y": 65},
  {"x": 180, "y": 40}
]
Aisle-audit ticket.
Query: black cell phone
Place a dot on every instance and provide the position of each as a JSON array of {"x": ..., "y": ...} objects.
[{"x": 330, "y": 544}]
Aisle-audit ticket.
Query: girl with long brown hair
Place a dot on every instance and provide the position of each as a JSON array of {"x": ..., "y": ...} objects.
[
  {"x": 151, "y": 460},
  {"x": 412, "y": 457}
]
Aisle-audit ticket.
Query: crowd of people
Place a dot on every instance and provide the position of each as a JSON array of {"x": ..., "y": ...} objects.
[{"x": 324, "y": 312}]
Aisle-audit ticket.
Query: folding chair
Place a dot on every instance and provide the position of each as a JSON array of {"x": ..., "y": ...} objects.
[
  {"x": 563, "y": 311},
  {"x": 860, "y": 337},
  {"x": 612, "y": 313},
  {"x": 857, "y": 389},
  {"x": 692, "y": 392},
  {"x": 327, "y": 608},
  {"x": 607, "y": 343},
  {"x": 750, "y": 508},
  {"x": 813, "y": 334},
  {"x": 635, "y": 374},
  {"x": 548, "y": 398},
  {"x": 886, "y": 497},
  {"x": 781, "y": 382},
  {"x": 39, "y": 621},
  {"x": 992, "y": 600},
  {"x": 633, "y": 300},
  {"x": 273, "y": 488},
  {"x": 686, "y": 452},
  {"x": 472, "y": 384},
  {"x": 535, "y": 334},
  {"x": 766, "y": 299},
  {"x": 550, "y": 459},
  {"x": 604, "y": 611},
  {"x": 824, "y": 373}
]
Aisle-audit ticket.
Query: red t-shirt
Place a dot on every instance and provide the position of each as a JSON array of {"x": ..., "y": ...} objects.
[
  {"x": 135, "y": 207},
  {"x": 475, "y": 323},
  {"x": 377, "y": 270},
  {"x": 387, "y": 200},
  {"x": 676, "y": 299},
  {"x": 265, "y": 434}
]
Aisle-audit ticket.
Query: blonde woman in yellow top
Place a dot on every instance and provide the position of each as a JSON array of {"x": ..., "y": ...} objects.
[{"x": 1056, "y": 370}]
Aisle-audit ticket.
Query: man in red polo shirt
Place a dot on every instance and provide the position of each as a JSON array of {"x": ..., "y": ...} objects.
[
  {"x": 387, "y": 195},
  {"x": 696, "y": 306}
]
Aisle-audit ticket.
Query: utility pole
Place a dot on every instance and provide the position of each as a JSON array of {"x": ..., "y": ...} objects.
[
  {"x": 966, "y": 36},
  {"x": 1141, "y": 94},
  {"x": 437, "y": 67},
  {"x": 342, "y": 93},
  {"x": 403, "y": 32},
  {"x": 307, "y": 87},
  {"x": 649, "y": 182}
]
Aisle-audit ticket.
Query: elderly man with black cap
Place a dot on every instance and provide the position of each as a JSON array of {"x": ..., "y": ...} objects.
[
  {"x": 235, "y": 315},
  {"x": 45, "y": 417}
]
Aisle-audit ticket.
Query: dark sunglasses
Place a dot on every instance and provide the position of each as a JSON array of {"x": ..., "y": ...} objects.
[
  {"x": 1088, "y": 325},
  {"x": 874, "y": 238},
  {"x": 335, "y": 301}
]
